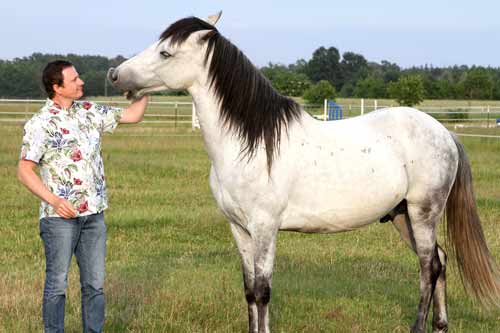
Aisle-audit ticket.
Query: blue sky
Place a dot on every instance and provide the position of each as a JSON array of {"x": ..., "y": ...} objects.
[{"x": 439, "y": 32}]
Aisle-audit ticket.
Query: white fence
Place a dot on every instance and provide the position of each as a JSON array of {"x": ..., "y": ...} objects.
[
  {"x": 167, "y": 113},
  {"x": 182, "y": 114}
]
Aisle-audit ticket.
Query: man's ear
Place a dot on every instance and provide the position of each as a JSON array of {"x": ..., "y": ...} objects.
[{"x": 56, "y": 88}]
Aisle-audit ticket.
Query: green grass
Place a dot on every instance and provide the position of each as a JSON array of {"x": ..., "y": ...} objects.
[{"x": 172, "y": 265}]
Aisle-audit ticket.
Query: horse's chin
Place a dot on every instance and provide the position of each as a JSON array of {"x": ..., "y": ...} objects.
[
  {"x": 130, "y": 95},
  {"x": 136, "y": 94}
]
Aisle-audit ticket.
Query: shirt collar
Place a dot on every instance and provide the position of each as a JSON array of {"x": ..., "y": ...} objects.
[{"x": 54, "y": 107}]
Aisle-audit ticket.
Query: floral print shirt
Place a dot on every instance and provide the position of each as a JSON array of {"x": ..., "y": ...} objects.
[{"x": 66, "y": 144}]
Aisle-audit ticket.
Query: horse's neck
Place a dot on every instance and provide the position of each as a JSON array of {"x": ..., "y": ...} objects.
[
  {"x": 217, "y": 138},
  {"x": 223, "y": 146}
]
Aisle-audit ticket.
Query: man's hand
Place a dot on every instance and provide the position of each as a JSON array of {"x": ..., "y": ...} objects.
[
  {"x": 135, "y": 112},
  {"x": 64, "y": 208},
  {"x": 26, "y": 174}
]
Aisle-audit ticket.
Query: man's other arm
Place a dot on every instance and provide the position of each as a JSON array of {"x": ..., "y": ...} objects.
[{"x": 28, "y": 177}]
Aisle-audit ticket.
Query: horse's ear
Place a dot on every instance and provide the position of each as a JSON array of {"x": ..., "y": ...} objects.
[{"x": 212, "y": 19}]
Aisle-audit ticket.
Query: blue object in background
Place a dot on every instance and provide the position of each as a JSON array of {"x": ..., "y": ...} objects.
[{"x": 334, "y": 110}]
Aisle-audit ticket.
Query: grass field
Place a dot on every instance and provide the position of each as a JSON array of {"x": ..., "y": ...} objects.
[{"x": 172, "y": 265}]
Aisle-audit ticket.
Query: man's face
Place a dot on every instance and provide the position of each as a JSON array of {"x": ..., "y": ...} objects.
[{"x": 72, "y": 87}]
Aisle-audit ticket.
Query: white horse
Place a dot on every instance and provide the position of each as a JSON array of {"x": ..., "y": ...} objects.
[{"x": 276, "y": 168}]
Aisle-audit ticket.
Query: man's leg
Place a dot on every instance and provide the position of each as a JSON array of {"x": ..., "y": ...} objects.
[
  {"x": 90, "y": 253},
  {"x": 59, "y": 238}
]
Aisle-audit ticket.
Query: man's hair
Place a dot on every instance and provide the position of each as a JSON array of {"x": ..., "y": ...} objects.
[{"x": 52, "y": 74}]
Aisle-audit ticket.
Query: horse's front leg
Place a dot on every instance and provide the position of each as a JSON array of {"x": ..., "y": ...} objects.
[
  {"x": 246, "y": 249},
  {"x": 264, "y": 234}
]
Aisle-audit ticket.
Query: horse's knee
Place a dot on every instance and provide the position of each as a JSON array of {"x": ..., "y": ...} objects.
[
  {"x": 262, "y": 290},
  {"x": 249, "y": 290},
  {"x": 250, "y": 296}
]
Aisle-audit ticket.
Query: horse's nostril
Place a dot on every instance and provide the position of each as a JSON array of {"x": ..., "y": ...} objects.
[{"x": 112, "y": 74}]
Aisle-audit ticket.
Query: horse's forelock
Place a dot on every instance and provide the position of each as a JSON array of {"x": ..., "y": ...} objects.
[{"x": 179, "y": 31}]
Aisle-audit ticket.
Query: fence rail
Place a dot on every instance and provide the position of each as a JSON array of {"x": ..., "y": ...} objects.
[{"x": 182, "y": 114}]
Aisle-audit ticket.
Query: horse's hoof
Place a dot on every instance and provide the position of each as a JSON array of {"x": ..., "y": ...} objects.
[
  {"x": 415, "y": 329},
  {"x": 440, "y": 327},
  {"x": 440, "y": 330}
]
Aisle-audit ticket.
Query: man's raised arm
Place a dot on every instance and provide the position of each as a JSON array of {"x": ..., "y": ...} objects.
[{"x": 135, "y": 112}]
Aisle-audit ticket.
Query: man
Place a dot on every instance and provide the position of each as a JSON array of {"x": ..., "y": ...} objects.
[{"x": 64, "y": 140}]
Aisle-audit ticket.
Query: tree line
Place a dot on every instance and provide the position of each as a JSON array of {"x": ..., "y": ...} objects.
[
  {"x": 22, "y": 77},
  {"x": 351, "y": 75},
  {"x": 327, "y": 72}
]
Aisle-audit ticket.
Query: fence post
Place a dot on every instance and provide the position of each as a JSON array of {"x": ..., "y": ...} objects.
[
  {"x": 194, "y": 122},
  {"x": 375, "y": 107},
  {"x": 175, "y": 119},
  {"x": 488, "y": 118},
  {"x": 26, "y": 109},
  {"x": 362, "y": 106}
]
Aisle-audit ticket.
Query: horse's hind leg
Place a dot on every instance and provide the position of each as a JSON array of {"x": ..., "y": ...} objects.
[
  {"x": 439, "y": 311},
  {"x": 440, "y": 317},
  {"x": 246, "y": 250}
]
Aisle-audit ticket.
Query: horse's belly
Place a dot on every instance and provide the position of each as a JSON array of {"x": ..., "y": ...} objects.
[
  {"x": 341, "y": 203},
  {"x": 334, "y": 219}
]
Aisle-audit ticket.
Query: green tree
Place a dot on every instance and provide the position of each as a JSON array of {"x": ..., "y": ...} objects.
[
  {"x": 347, "y": 90},
  {"x": 286, "y": 81},
  {"x": 496, "y": 89},
  {"x": 431, "y": 89},
  {"x": 388, "y": 71},
  {"x": 353, "y": 68},
  {"x": 478, "y": 84},
  {"x": 324, "y": 65},
  {"x": 21, "y": 77},
  {"x": 94, "y": 82},
  {"x": 408, "y": 90},
  {"x": 371, "y": 87},
  {"x": 446, "y": 88},
  {"x": 318, "y": 92},
  {"x": 300, "y": 66}
]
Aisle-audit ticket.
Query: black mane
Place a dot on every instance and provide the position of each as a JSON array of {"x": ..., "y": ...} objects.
[{"x": 249, "y": 104}]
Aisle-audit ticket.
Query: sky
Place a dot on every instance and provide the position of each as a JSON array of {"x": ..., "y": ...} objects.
[{"x": 409, "y": 33}]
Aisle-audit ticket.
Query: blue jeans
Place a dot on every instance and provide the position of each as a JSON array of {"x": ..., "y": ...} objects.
[{"x": 84, "y": 236}]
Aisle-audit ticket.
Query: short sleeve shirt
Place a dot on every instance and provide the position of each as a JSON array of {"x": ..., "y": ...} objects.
[{"x": 66, "y": 144}]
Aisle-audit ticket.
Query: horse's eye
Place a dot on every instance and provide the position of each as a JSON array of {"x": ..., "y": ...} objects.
[{"x": 165, "y": 54}]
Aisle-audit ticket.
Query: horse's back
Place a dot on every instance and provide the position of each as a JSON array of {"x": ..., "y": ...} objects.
[
  {"x": 349, "y": 173},
  {"x": 424, "y": 146},
  {"x": 427, "y": 148}
]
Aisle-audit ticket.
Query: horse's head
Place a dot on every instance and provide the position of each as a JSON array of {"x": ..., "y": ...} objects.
[
  {"x": 191, "y": 53},
  {"x": 172, "y": 63}
]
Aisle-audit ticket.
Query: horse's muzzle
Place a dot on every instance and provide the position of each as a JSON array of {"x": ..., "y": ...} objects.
[{"x": 112, "y": 75}]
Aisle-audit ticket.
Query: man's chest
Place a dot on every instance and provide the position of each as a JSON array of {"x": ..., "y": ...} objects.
[{"x": 74, "y": 137}]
